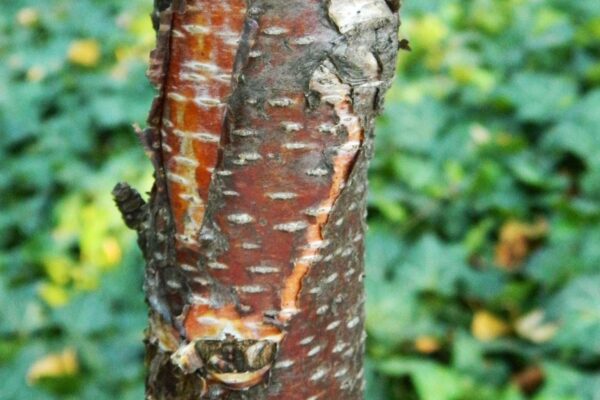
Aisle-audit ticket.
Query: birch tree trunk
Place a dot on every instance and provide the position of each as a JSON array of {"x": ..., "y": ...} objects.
[{"x": 253, "y": 234}]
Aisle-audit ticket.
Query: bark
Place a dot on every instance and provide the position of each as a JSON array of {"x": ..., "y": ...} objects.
[{"x": 253, "y": 234}]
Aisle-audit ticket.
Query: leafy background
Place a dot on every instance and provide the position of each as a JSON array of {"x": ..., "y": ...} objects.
[{"x": 483, "y": 251}]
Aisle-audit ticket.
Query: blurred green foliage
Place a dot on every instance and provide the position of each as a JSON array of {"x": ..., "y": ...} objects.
[
  {"x": 71, "y": 307},
  {"x": 483, "y": 258}
]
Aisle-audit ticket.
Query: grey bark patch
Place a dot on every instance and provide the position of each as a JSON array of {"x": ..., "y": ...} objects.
[{"x": 352, "y": 14}]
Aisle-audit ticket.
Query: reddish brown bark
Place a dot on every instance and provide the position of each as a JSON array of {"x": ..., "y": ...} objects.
[{"x": 260, "y": 137}]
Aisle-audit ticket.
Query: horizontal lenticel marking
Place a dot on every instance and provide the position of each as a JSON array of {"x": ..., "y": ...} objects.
[
  {"x": 291, "y": 227},
  {"x": 240, "y": 219},
  {"x": 261, "y": 269},
  {"x": 317, "y": 172},
  {"x": 282, "y": 195},
  {"x": 281, "y": 102}
]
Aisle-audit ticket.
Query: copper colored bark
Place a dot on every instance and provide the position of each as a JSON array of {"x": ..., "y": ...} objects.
[{"x": 253, "y": 235}]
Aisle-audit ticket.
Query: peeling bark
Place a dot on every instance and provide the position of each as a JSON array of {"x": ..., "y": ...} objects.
[{"x": 260, "y": 135}]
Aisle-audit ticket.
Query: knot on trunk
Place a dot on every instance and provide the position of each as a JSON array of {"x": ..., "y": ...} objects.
[{"x": 235, "y": 364}]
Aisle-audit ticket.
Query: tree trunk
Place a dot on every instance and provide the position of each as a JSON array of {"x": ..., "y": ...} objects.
[{"x": 253, "y": 234}]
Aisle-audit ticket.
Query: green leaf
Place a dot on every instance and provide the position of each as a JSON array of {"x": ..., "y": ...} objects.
[
  {"x": 393, "y": 320},
  {"x": 412, "y": 127},
  {"x": 85, "y": 314},
  {"x": 383, "y": 248},
  {"x": 20, "y": 311},
  {"x": 578, "y": 133},
  {"x": 436, "y": 382},
  {"x": 540, "y": 97},
  {"x": 433, "y": 266},
  {"x": 561, "y": 382},
  {"x": 577, "y": 309},
  {"x": 376, "y": 385}
]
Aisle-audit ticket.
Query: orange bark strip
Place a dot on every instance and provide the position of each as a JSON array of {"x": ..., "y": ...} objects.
[
  {"x": 337, "y": 94},
  {"x": 265, "y": 221},
  {"x": 210, "y": 323},
  {"x": 204, "y": 42},
  {"x": 273, "y": 224}
]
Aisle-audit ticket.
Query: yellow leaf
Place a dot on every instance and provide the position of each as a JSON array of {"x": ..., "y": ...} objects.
[
  {"x": 429, "y": 31},
  {"x": 36, "y": 73},
  {"x": 515, "y": 242},
  {"x": 531, "y": 326},
  {"x": 427, "y": 344},
  {"x": 462, "y": 73},
  {"x": 112, "y": 251},
  {"x": 58, "y": 268},
  {"x": 54, "y": 366},
  {"x": 429, "y": 34},
  {"x": 480, "y": 134},
  {"x": 84, "y": 52},
  {"x": 28, "y": 16},
  {"x": 86, "y": 277},
  {"x": 487, "y": 326},
  {"x": 54, "y": 295}
]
